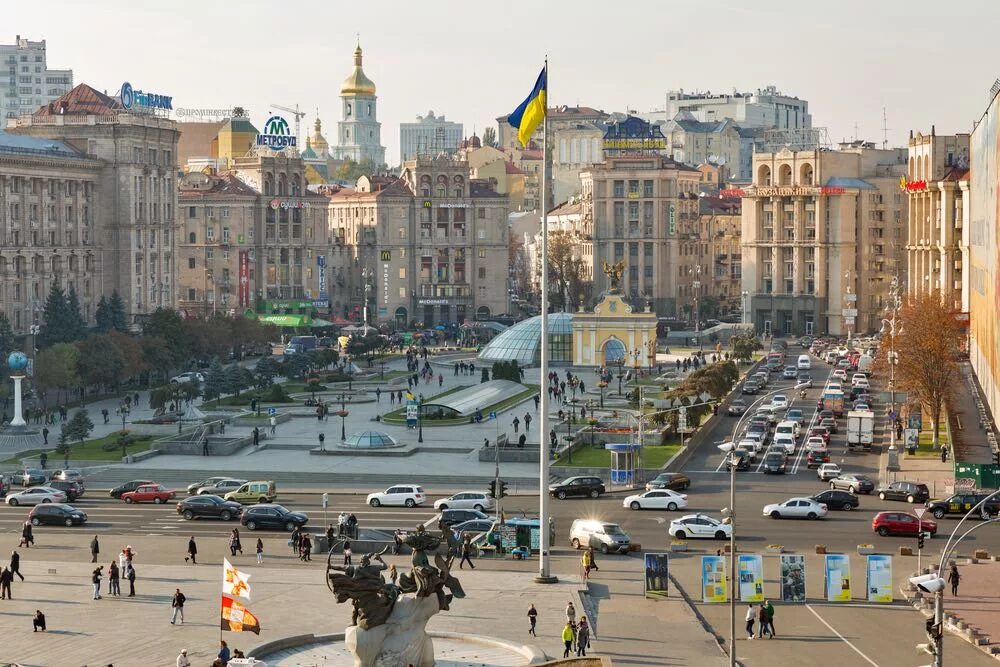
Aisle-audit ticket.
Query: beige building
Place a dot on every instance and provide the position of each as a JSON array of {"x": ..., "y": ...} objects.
[
  {"x": 709, "y": 260},
  {"x": 636, "y": 205},
  {"x": 695, "y": 142},
  {"x": 822, "y": 237},
  {"x": 435, "y": 240},
  {"x": 50, "y": 217},
  {"x": 937, "y": 186},
  {"x": 134, "y": 237}
]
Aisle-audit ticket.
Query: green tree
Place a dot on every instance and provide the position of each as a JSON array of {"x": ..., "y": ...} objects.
[
  {"x": 156, "y": 355},
  {"x": 117, "y": 307},
  {"x": 265, "y": 371},
  {"x": 135, "y": 361},
  {"x": 56, "y": 368},
  {"x": 744, "y": 345},
  {"x": 6, "y": 338},
  {"x": 238, "y": 378},
  {"x": 507, "y": 370},
  {"x": 102, "y": 316},
  {"x": 352, "y": 171},
  {"x": 78, "y": 428},
  {"x": 490, "y": 137},
  {"x": 101, "y": 363},
  {"x": 296, "y": 366},
  {"x": 168, "y": 325},
  {"x": 56, "y": 326},
  {"x": 74, "y": 314},
  {"x": 215, "y": 381}
]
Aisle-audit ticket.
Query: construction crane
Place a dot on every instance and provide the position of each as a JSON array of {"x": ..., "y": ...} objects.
[{"x": 298, "y": 116}]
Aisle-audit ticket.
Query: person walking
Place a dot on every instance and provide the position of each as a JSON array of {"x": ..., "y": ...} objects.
[
  {"x": 532, "y": 620},
  {"x": 130, "y": 575},
  {"x": 15, "y": 565},
  {"x": 6, "y": 577},
  {"x": 95, "y": 549},
  {"x": 114, "y": 580},
  {"x": 260, "y": 551},
  {"x": 348, "y": 552},
  {"x": 586, "y": 563},
  {"x": 571, "y": 614},
  {"x": 466, "y": 552},
  {"x": 256, "y": 436},
  {"x": 177, "y": 604},
  {"x": 296, "y": 541},
  {"x": 516, "y": 423},
  {"x": 95, "y": 578},
  {"x": 527, "y": 422},
  {"x": 27, "y": 536},
  {"x": 750, "y": 618},
  {"x": 234, "y": 542},
  {"x": 770, "y": 617},
  {"x": 45, "y": 435},
  {"x": 582, "y": 637},
  {"x": 182, "y": 659},
  {"x": 274, "y": 424},
  {"x": 953, "y": 578},
  {"x": 38, "y": 621},
  {"x": 762, "y": 626},
  {"x": 567, "y": 636},
  {"x": 397, "y": 542},
  {"x": 192, "y": 551},
  {"x": 307, "y": 546}
]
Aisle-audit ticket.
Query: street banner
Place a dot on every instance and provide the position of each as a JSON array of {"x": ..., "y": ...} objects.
[
  {"x": 657, "y": 578},
  {"x": 793, "y": 578},
  {"x": 751, "y": 569},
  {"x": 879, "y": 578},
  {"x": 244, "y": 278},
  {"x": 713, "y": 579},
  {"x": 411, "y": 413},
  {"x": 838, "y": 578}
]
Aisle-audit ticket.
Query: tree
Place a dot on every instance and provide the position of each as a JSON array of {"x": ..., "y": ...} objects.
[
  {"x": 78, "y": 427},
  {"x": 265, "y": 371},
  {"x": 507, "y": 370},
  {"x": 565, "y": 270},
  {"x": 352, "y": 171},
  {"x": 74, "y": 316},
  {"x": 744, "y": 345},
  {"x": 156, "y": 355},
  {"x": 132, "y": 353},
  {"x": 295, "y": 366},
  {"x": 490, "y": 137},
  {"x": 57, "y": 325},
  {"x": 215, "y": 380},
  {"x": 117, "y": 307},
  {"x": 102, "y": 316},
  {"x": 6, "y": 337},
  {"x": 238, "y": 378},
  {"x": 168, "y": 325},
  {"x": 101, "y": 363},
  {"x": 708, "y": 307},
  {"x": 56, "y": 368},
  {"x": 926, "y": 348}
]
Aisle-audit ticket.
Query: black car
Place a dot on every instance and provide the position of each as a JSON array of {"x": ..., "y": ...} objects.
[
  {"x": 453, "y": 517},
  {"x": 73, "y": 490},
  {"x": 750, "y": 387},
  {"x": 211, "y": 507},
  {"x": 774, "y": 463},
  {"x": 838, "y": 500},
  {"x": 577, "y": 486},
  {"x": 473, "y": 526},
  {"x": 268, "y": 515},
  {"x": 669, "y": 480},
  {"x": 56, "y": 513},
  {"x": 961, "y": 503},
  {"x": 911, "y": 492},
  {"x": 128, "y": 486}
]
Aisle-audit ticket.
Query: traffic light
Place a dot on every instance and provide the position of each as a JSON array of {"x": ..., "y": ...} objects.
[
  {"x": 503, "y": 489},
  {"x": 493, "y": 488},
  {"x": 920, "y": 540}
]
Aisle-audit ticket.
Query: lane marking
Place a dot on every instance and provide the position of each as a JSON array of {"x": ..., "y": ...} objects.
[{"x": 842, "y": 637}]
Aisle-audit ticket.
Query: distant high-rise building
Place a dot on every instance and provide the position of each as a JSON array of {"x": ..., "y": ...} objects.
[
  {"x": 430, "y": 135},
  {"x": 767, "y": 108},
  {"x": 359, "y": 134},
  {"x": 26, "y": 82}
]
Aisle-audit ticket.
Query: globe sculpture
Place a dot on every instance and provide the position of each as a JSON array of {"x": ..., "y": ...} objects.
[{"x": 17, "y": 361}]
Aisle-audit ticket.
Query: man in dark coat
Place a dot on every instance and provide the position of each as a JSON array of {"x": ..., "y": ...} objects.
[
  {"x": 192, "y": 551},
  {"x": 95, "y": 549}
]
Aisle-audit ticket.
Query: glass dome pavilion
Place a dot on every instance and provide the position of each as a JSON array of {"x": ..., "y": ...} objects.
[{"x": 520, "y": 342}]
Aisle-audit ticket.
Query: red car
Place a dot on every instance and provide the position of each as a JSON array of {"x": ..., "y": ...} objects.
[
  {"x": 817, "y": 457},
  {"x": 900, "y": 523},
  {"x": 820, "y": 432},
  {"x": 156, "y": 493}
]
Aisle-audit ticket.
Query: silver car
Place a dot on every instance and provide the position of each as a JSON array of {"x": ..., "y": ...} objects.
[
  {"x": 221, "y": 487},
  {"x": 796, "y": 508}
]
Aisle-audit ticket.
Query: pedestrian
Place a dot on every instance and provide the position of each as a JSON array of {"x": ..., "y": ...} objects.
[
  {"x": 95, "y": 548},
  {"x": 234, "y": 542},
  {"x": 43, "y": 459},
  {"x": 177, "y": 604},
  {"x": 762, "y": 627},
  {"x": 192, "y": 551},
  {"x": 567, "y": 637},
  {"x": 593, "y": 559},
  {"x": 330, "y": 534},
  {"x": 466, "y": 552},
  {"x": 571, "y": 614},
  {"x": 440, "y": 379},
  {"x": 532, "y": 620},
  {"x": 536, "y": 399},
  {"x": 106, "y": 415},
  {"x": 15, "y": 565},
  {"x": 953, "y": 578},
  {"x": 38, "y": 622},
  {"x": 307, "y": 546},
  {"x": 322, "y": 441},
  {"x": 223, "y": 653},
  {"x": 378, "y": 394},
  {"x": 585, "y": 563},
  {"x": 749, "y": 619},
  {"x": 27, "y": 536},
  {"x": 397, "y": 541},
  {"x": 347, "y": 553},
  {"x": 770, "y": 617},
  {"x": 260, "y": 551},
  {"x": 45, "y": 436},
  {"x": 182, "y": 659},
  {"x": 582, "y": 637},
  {"x": 256, "y": 436},
  {"x": 516, "y": 423},
  {"x": 130, "y": 575},
  {"x": 95, "y": 577},
  {"x": 114, "y": 580},
  {"x": 6, "y": 577},
  {"x": 527, "y": 421},
  {"x": 274, "y": 424}
]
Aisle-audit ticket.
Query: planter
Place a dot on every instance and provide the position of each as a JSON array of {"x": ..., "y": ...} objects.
[
  {"x": 905, "y": 551},
  {"x": 678, "y": 546},
  {"x": 821, "y": 548},
  {"x": 775, "y": 549},
  {"x": 866, "y": 549},
  {"x": 726, "y": 548},
  {"x": 981, "y": 554}
]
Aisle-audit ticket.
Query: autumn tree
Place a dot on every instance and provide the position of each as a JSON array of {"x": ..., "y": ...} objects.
[
  {"x": 520, "y": 264},
  {"x": 927, "y": 346},
  {"x": 566, "y": 276}
]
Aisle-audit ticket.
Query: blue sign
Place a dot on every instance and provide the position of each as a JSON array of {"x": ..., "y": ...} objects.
[
  {"x": 272, "y": 411},
  {"x": 493, "y": 415},
  {"x": 132, "y": 98},
  {"x": 277, "y": 135},
  {"x": 321, "y": 275}
]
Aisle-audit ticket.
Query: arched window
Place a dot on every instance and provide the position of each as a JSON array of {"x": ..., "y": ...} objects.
[
  {"x": 348, "y": 109},
  {"x": 910, "y": 170},
  {"x": 927, "y": 175},
  {"x": 614, "y": 351},
  {"x": 192, "y": 238},
  {"x": 369, "y": 110},
  {"x": 268, "y": 184},
  {"x": 296, "y": 186},
  {"x": 764, "y": 176},
  {"x": 806, "y": 174},
  {"x": 784, "y": 175}
]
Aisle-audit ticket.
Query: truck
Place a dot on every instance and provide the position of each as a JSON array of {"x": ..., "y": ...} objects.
[
  {"x": 833, "y": 399},
  {"x": 860, "y": 429},
  {"x": 865, "y": 363},
  {"x": 301, "y": 344}
]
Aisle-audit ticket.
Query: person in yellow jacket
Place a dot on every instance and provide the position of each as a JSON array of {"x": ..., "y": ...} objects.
[
  {"x": 587, "y": 563},
  {"x": 567, "y": 636}
]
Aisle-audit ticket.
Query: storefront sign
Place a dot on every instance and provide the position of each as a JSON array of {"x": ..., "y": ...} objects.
[
  {"x": 385, "y": 284},
  {"x": 657, "y": 579},
  {"x": 288, "y": 203},
  {"x": 792, "y": 191},
  {"x": 244, "y": 279},
  {"x": 136, "y": 100},
  {"x": 321, "y": 275},
  {"x": 432, "y": 302},
  {"x": 385, "y": 255},
  {"x": 452, "y": 205},
  {"x": 672, "y": 223},
  {"x": 732, "y": 192},
  {"x": 277, "y": 135},
  {"x": 633, "y": 136},
  {"x": 911, "y": 186}
]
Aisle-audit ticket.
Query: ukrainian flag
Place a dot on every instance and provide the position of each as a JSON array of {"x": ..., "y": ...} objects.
[{"x": 531, "y": 112}]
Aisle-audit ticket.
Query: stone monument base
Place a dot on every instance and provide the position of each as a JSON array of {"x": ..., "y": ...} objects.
[{"x": 15, "y": 439}]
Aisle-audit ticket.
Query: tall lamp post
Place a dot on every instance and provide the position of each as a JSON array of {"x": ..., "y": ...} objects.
[
  {"x": 697, "y": 308},
  {"x": 602, "y": 384},
  {"x": 621, "y": 372},
  {"x": 733, "y": 460},
  {"x": 746, "y": 296},
  {"x": 420, "y": 418},
  {"x": 890, "y": 326},
  {"x": 342, "y": 413}
]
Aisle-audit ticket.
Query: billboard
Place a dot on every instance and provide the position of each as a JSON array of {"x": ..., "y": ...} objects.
[
  {"x": 657, "y": 579},
  {"x": 838, "y": 578},
  {"x": 713, "y": 579},
  {"x": 984, "y": 343},
  {"x": 879, "y": 580},
  {"x": 751, "y": 569},
  {"x": 793, "y": 578}
]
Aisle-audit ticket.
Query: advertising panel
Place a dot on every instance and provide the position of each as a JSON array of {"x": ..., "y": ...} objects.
[
  {"x": 411, "y": 413},
  {"x": 657, "y": 570},
  {"x": 244, "y": 279},
  {"x": 838, "y": 578},
  {"x": 321, "y": 276},
  {"x": 793, "y": 578},
  {"x": 879, "y": 578},
  {"x": 713, "y": 579},
  {"x": 751, "y": 569}
]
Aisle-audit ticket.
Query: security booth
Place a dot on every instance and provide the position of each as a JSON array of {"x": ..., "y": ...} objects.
[{"x": 624, "y": 457}]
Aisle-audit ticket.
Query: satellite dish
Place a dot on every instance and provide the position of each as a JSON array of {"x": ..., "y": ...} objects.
[
  {"x": 713, "y": 159},
  {"x": 721, "y": 161}
]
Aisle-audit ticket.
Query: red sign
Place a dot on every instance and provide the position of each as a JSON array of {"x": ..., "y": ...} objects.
[
  {"x": 734, "y": 192},
  {"x": 915, "y": 186},
  {"x": 244, "y": 279},
  {"x": 833, "y": 191}
]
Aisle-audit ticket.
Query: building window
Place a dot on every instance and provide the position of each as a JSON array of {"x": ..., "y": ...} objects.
[
  {"x": 192, "y": 238},
  {"x": 619, "y": 189},
  {"x": 210, "y": 233},
  {"x": 647, "y": 188},
  {"x": 482, "y": 273},
  {"x": 402, "y": 273},
  {"x": 192, "y": 212},
  {"x": 225, "y": 234},
  {"x": 192, "y": 294},
  {"x": 191, "y": 262},
  {"x": 209, "y": 254},
  {"x": 442, "y": 215},
  {"x": 482, "y": 253}
]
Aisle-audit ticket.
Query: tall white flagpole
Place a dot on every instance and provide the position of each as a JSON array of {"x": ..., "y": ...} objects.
[{"x": 544, "y": 574}]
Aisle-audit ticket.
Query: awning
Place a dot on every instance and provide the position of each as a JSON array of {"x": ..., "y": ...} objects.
[
  {"x": 318, "y": 322},
  {"x": 284, "y": 320}
]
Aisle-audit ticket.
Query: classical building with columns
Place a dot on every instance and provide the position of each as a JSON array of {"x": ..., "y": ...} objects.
[
  {"x": 822, "y": 238},
  {"x": 937, "y": 187}
]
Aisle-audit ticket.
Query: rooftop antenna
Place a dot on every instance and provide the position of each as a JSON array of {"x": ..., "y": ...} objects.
[
  {"x": 885, "y": 131},
  {"x": 855, "y": 130}
]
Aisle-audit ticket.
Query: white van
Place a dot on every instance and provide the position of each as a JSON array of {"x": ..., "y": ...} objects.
[
  {"x": 788, "y": 427},
  {"x": 804, "y": 363},
  {"x": 602, "y": 535}
]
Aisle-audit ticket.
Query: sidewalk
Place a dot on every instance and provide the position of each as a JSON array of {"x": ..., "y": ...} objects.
[{"x": 977, "y": 605}]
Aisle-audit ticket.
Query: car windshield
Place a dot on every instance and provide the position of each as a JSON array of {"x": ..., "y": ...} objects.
[
  {"x": 280, "y": 509},
  {"x": 612, "y": 529}
]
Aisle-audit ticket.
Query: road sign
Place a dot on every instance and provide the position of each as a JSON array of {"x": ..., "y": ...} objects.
[
  {"x": 326, "y": 500},
  {"x": 850, "y": 312},
  {"x": 272, "y": 411},
  {"x": 919, "y": 511},
  {"x": 849, "y": 321},
  {"x": 850, "y": 296},
  {"x": 493, "y": 415}
]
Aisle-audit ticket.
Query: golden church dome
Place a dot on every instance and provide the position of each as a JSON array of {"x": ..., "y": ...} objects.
[{"x": 357, "y": 83}]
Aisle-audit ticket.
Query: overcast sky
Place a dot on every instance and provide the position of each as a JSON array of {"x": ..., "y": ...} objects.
[{"x": 473, "y": 61}]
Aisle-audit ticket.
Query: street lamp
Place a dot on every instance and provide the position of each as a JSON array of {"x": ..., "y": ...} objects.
[
  {"x": 123, "y": 410},
  {"x": 697, "y": 309},
  {"x": 848, "y": 300},
  {"x": 734, "y": 457},
  {"x": 603, "y": 384},
  {"x": 890, "y": 326},
  {"x": 746, "y": 295},
  {"x": 342, "y": 413},
  {"x": 420, "y": 418},
  {"x": 621, "y": 372}
]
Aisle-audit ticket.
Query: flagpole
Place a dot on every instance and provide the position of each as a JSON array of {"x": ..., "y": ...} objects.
[{"x": 544, "y": 575}]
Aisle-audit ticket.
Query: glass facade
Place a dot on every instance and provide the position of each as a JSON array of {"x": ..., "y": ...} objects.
[
  {"x": 520, "y": 342},
  {"x": 370, "y": 440}
]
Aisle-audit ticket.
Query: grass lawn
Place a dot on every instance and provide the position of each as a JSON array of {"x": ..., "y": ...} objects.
[
  {"x": 90, "y": 450},
  {"x": 590, "y": 457},
  {"x": 925, "y": 445}
]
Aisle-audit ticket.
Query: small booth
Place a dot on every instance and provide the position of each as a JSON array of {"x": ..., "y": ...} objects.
[{"x": 623, "y": 461}]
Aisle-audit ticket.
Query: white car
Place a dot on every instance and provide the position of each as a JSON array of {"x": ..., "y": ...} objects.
[
  {"x": 790, "y": 373},
  {"x": 840, "y": 374},
  {"x": 657, "y": 499},
  {"x": 861, "y": 384},
  {"x": 190, "y": 376},
  {"x": 786, "y": 442},
  {"x": 750, "y": 444},
  {"x": 828, "y": 471},
  {"x": 779, "y": 402},
  {"x": 796, "y": 508},
  {"x": 409, "y": 495},
  {"x": 815, "y": 442},
  {"x": 465, "y": 500},
  {"x": 36, "y": 495},
  {"x": 858, "y": 377},
  {"x": 699, "y": 525}
]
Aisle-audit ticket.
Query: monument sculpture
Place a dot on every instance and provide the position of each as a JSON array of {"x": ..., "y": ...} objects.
[
  {"x": 614, "y": 273},
  {"x": 18, "y": 434},
  {"x": 389, "y": 626}
]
